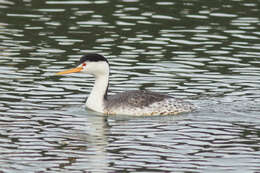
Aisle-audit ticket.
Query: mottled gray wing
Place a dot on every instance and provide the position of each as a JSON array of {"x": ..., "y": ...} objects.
[{"x": 135, "y": 98}]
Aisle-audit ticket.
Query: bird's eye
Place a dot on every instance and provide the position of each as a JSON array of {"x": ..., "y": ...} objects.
[{"x": 84, "y": 64}]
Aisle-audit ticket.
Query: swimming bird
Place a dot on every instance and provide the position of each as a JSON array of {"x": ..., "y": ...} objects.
[{"x": 138, "y": 103}]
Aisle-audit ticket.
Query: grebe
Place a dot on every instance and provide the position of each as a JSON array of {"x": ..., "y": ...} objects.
[{"x": 136, "y": 103}]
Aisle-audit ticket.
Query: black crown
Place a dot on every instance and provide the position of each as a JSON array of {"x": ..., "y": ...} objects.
[{"x": 92, "y": 57}]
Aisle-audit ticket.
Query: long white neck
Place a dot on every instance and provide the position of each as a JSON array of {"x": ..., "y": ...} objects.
[{"x": 96, "y": 99}]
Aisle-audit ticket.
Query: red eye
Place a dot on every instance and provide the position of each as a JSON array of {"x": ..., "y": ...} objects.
[{"x": 84, "y": 64}]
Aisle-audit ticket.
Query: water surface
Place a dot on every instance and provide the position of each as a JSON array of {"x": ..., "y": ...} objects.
[{"x": 206, "y": 53}]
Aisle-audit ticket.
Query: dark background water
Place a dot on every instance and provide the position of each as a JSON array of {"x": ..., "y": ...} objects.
[{"x": 206, "y": 52}]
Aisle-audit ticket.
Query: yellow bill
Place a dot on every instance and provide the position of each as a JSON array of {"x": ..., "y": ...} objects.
[{"x": 74, "y": 70}]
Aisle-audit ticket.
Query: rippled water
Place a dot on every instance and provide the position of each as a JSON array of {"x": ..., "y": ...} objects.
[{"x": 204, "y": 52}]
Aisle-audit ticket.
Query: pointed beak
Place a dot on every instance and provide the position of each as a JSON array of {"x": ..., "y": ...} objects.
[{"x": 74, "y": 70}]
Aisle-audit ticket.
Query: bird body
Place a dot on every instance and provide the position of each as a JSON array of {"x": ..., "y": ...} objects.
[
  {"x": 136, "y": 103},
  {"x": 144, "y": 102}
]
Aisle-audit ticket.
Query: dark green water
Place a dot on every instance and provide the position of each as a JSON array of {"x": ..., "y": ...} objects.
[{"x": 206, "y": 52}]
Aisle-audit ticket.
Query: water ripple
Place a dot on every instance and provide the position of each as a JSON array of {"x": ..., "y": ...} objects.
[{"x": 207, "y": 54}]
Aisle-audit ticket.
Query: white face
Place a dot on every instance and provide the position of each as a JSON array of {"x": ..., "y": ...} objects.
[{"x": 95, "y": 68}]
